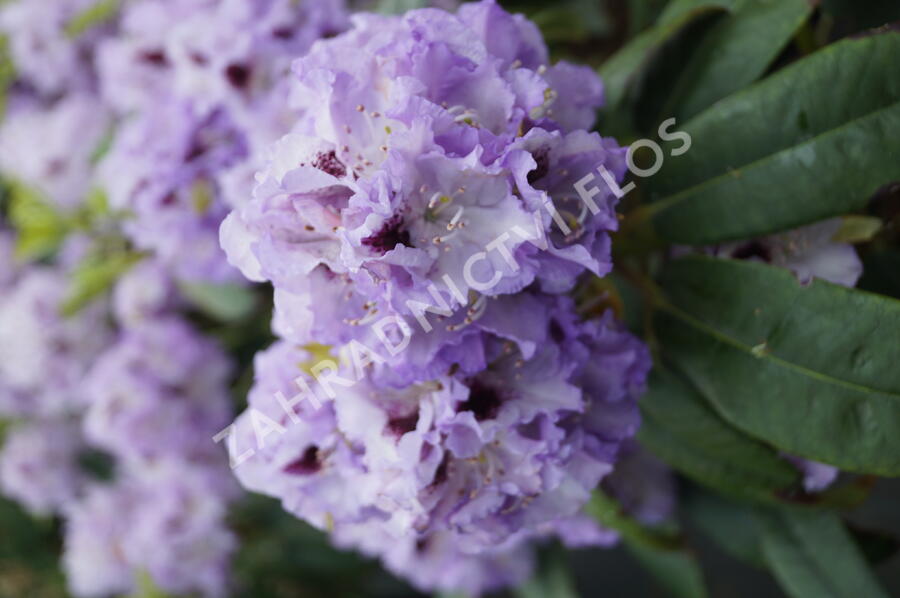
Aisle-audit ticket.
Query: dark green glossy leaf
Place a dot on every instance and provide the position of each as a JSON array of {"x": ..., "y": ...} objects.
[
  {"x": 813, "y": 141},
  {"x": 609, "y": 513},
  {"x": 623, "y": 70},
  {"x": 734, "y": 53},
  {"x": 731, "y": 525},
  {"x": 813, "y": 556},
  {"x": 660, "y": 550},
  {"x": 683, "y": 431},
  {"x": 675, "y": 570},
  {"x": 553, "y": 579},
  {"x": 676, "y": 9},
  {"x": 811, "y": 370}
]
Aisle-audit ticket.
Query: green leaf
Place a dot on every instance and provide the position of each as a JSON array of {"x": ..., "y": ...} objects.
[
  {"x": 610, "y": 514},
  {"x": 226, "y": 302},
  {"x": 660, "y": 549},
  {"x": 398, "y": 7},
  {"x": 813, "y": 141},
  {"x": 683, "y": 431},
  {"x": 29, "y": 560},
  {"x": 94, "y": 276},
  {"x": 677, "y": 9},
  {"x": 572, "y": 21},
  {"x": 41, "y": 228},
  {"x": 857, "y": 229},
  {"x": 675, "y": 570},
  {"x": 98, "y": 13},
  {"x": 146, "y": 588},
  {"x": 809, "y": 369},
  {"x": 624, "y": 69},
  {"x": 7, "y": 72},
  {"x": 736, "y": 52},
  {"x": 813, "y": 556},
  {"x": 731, "y": 525},
  {"x": 554, "y": 579},
  {"x": 642, "y": 14}
]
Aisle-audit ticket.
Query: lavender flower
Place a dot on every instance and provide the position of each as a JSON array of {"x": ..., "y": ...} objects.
[
  {"x": 161, "y": 389},
  {"x": 490, "y": 459},
  {"x": 226, "y": 53},
  {"x": 9, "y": 266},
  {"x": 44, "y": 356},
  {"x": 143, "y": 294},
  {"x": 643, "y": 485},
  {"x": 162, "y": 168},
  {"x": 816, "y": 476},
  {"x": 808, "y": 252},
  {"x": 45, "y": 57},
  {"x": 395, "y": 178},
  {"x": 165, "y": 520},
  {"x": 50, "y": 147},
  {"x": 39, "y": 465}
]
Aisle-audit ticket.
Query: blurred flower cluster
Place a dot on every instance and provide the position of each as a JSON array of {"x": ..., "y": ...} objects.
[{"x": 131, "y": 128}]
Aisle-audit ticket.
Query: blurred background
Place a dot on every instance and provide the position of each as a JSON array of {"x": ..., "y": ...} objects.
[{"x": 281, "y": 557}]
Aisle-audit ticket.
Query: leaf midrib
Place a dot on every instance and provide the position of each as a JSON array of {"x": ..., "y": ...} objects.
[
  {"x": 667, "y": 202},
  {"x": 778, "y": 361}
]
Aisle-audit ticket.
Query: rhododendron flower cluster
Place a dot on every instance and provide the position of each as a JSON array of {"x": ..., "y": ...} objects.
[
  {"x": 142, "y": 112},
  {"x": 420, "y": 219}
]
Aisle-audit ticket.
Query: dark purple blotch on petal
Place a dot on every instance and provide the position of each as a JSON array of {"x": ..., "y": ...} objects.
[
  {"x": 751, "y": 250},
  {"x": 398, "y": 426},
  {"x": 328, "y": 162},
  {"x": 542, "y": 159},
  {"x": 238, "y": 75},
  {"x": 389, "y": 236},
  {"x": 484, "y": 401},
  {"x": 307, "y": 464}
]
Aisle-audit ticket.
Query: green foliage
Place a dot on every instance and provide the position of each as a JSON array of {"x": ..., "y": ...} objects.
[
  {"x": 40, "y": 226},
  {"x": 622, "y": 72},
  {"x": 95, "y": 275},
  {"x": 98, "y": 13},
  {"x": 7, "y": 72},
  {"x": 660, "y": 549},
  {"x": 778, "y": 140},
  {"x": 679, "y": 427},
  {"x": 813, "y": 556},
  {"x": 553, "y": 579},
  {"x": 788, "y": 127},
  {"x": 742, "y": 332},
  {"x": 735, "y": 52},
  {"x": 226, "y": 302},
  {"x": 283, "y": 557},
  {"x": 29, "y": 555}
]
